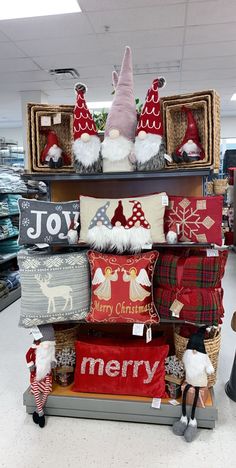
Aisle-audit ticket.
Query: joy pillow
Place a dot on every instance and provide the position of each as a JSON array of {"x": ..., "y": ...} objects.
[
  {"x": 126, "y": 224},
  {"x": 122, "y": 288}
]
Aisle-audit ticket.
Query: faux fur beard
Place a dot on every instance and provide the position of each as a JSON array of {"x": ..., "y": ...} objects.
[
  {"x": 191, "y": 148},
  {"x": 147, "y": 148},
  {"x": 99, "y": 237},
  {"x": 138, "y": 237},
  {"x": 120, "y": 238},
  {"x": 54, "y": 153},
  {"x": 87, "y": 153},
  {"x": 45, "y": 354},
  {"x": 117, "y": 148}
]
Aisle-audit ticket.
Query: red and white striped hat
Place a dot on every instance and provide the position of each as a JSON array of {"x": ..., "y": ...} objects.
[
  {"x": 150, "y": 119},
  {"x": 83, "y": 120}
]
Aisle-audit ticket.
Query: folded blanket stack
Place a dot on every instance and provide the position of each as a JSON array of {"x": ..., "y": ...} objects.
[
  {"x": 4, "y": 208},
  {"x": 10, "y": 181},
  {"x": 11, "y": 279},
  {"x": 7, "y": 229}
]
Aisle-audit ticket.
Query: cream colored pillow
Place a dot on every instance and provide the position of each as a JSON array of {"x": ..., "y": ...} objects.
[{"x": 122, "y": 224}]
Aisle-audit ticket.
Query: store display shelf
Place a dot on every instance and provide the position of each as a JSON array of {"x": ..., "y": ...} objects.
[
  {"x": 6, "y": 257},
  {"x": 12, "y": 297},
  {"x": 119, "y": 175},
  {"x": 164, "y": 245},
  {"x": 63, "y": 402},
  {"x": 9, "y": 215}
]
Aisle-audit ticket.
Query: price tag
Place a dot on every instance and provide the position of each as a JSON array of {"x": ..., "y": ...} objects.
[
  {"x": 57, "y": 119},
  {"x": 45, "y": 121},
  {"x": 36, "y": 333},
  {"x": 147, "y": 246},
  {"x": 138, "y": 329},
  {"x": 156, "y": 403},
  {"x": 174, "y": 402},
  {"x": 164, "y": 200},
  {"x": 212, "y": 253},
  {"x": 176, "y": 308},
  {"x": 148, "y": 335},
  {"x": 168, "y": 158}
]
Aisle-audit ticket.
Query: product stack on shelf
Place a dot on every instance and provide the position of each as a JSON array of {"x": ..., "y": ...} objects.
[{"x": 122, "y": 261}]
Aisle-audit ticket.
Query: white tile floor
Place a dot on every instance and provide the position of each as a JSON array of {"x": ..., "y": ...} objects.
[{"x": 66, "y": 442}]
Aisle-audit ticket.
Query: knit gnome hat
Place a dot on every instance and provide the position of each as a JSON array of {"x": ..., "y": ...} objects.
[
  {"x": 191, "y": 132},
  {"x": 84, "y": 124},
  {"x": 47, "y": 331},
  {"x": 150, "y": 120},
  {"x": 137, "y": 216},
  {"x": 101, "y": 217},
  {"x": 196, "y": 341},
  {"x": 119, "y": 218},
  {"x": 122, "y": 116}
]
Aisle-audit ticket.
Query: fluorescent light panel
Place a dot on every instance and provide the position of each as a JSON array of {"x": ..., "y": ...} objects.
[
  {"x": 233, "y": 98},
  {"x": 15, "y": 9},
  {"x": 99, "y": 105}
]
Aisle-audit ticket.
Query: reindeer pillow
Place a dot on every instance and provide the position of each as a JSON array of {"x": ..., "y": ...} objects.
[{"x": 55, "y": 288}]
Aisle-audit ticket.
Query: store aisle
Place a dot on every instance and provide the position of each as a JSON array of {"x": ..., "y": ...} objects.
[{"x": 66, "y": 442}]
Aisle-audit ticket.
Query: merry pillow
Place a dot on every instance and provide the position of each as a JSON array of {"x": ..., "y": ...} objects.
[{"x": 46, "y": 222}]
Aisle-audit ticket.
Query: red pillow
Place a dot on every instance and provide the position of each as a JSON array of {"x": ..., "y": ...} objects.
[
  {"x": 129, "y": 368},
  {"x": 199, "y": 218},
  {"x": 122, "y": 288}
]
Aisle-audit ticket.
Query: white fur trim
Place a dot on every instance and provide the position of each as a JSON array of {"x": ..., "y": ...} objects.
[
  {"x": 119, "y": 238},
  {"x": 29, "y": 364},
  {"x": 147, "y": 148},
  {"x": 138, "y": 237},
  {"x": 45, "y": 354},
  {"x": 184, "y": 419},
  {"x": 116, "y": 149},
  {"x": 87, "y": 152},
  {"x": 193, "y": 422},
  {"x": 99, "y": 237}
]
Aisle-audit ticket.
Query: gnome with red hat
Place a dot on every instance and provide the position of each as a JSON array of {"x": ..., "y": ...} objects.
[
  {"x": 149, "y": 147},
  {"x": 190, "y": 149},
  {"x": 52, "y": 153},
  {"x": 138, "y": 228},
  {"x": 172, "y": 234},
  {"x": 73, "y": 235},
  {"x": 119, "y": 233},
  {"x": 86, "y": 145}
]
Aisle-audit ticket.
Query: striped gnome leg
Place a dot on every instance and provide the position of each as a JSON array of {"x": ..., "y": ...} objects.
[
  {"x": 47, "y": 389},
  {"x": 37, "y": 396}
]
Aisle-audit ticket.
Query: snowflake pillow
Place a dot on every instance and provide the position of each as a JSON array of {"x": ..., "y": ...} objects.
[
  {"x": 46, "y": 222},
  {"x": 199, "y": 218},
  {"x": 122, "y": 288},
  {"x": 55, "y": 288}
]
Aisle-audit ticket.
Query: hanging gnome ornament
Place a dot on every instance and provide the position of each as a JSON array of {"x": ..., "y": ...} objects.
[
  {"x": 99, "y": 234},
  {"x": 73, "y": 235},
  {"x": 86, "y": 145},
  {"x": 41, "y": 360},
  {"x": 172, "y": 234},
  {"x": 119, "y": 233},
  {"x": 190, "y": 149},
  {"x": 138, "y": 228},
  {"x": 52, "y": 154},
  {"x": 117, "y": 147},
  {"x": 197, "y": 367},
  {"x": 149, "y": 147}
]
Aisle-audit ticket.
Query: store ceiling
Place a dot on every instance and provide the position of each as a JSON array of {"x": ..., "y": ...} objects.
[{"x": 194, "y": 42}]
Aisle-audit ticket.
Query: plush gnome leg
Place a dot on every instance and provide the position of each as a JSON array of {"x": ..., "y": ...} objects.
[
  {"x": 180, "y": 426},
  {"x": 38, "y": 416},
  {"x": 47, "y": 390},
  {"x": 191, "y": 430}
]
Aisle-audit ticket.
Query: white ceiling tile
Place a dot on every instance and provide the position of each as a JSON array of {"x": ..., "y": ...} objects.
[
  {"x": 211, "y": 12},
  {"x": 13, "y": 65},
  {"x": 209, "y": 63},
  {"x": 9, "y": 50},
  {"x": 29, "y": 86},
  {"x": 210, "y": 49},
  {"x": 145, "y": 18},
  {"x": 51, "y": 26},
  {"x": 62, "y": 45},
  {"x": 137, "y": 39},
  {"x": 201, "y": 75},
  {"x": 101, "y": 5},
  {"x": 24, "y": 76},
  {"x": 210, "y": 33}
]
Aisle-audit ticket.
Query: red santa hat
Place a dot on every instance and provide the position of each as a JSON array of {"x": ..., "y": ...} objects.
[
  {"x": 191, "y": 133},
  {"x": 119, "y": 218},
  {"x": 150, "y": 120},
  {"x": 84, "y": 124},
  {"x": 137, "y": 219}
]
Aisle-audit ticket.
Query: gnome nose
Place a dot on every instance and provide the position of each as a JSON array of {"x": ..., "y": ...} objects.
[
  {"x": 85, "y": 137},
  {"x": 113, "y": 134},
  {"x": 142, "y": 134}
]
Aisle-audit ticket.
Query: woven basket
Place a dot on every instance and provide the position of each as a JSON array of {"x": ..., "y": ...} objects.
[
  {"x": 212, "y": 348},
  {"x": 210, "y": 190},
  {"x": 220, "y": 186},
  {"x": 65, "y": 336}
]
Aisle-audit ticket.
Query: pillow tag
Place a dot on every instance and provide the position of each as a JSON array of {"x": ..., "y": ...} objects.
[
  {"x": 164, "y": 200},
  {"x": 57, "y": 119},
  {"x": 45, "y": 121},
  {"x": 36, "y": 333},
  {"x": 138, "y": 329},
  {"x": 212, "y": 253},
  {"x": 174, "y": 402},
  {"x": 176, "y": 308},
  {"x": 156, "y": 403},
  {"x": 148, "y": 335}
]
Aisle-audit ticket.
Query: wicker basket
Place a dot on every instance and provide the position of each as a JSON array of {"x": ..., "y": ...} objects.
[
  {"x": 65, "y": 336},
  {"x": 212, "y": 348},
  {"x": 209, "y": 186},
  {"x": 220, "y": 186}
]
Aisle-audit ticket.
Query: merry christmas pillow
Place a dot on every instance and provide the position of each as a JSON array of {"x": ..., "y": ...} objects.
[
  {"x": 46, "y": 222},
  {"x": 131, "y": 367},
  {"x": 54, "y": 288},
  {"x": 122, "y": 289},
  {"x": 199, "y": 218},
  {"x": 126, "y": 224}
]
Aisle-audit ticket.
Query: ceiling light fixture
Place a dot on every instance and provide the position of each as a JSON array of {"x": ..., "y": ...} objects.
[
  {"x": 99, "y": 105},
  {"x": 233, "y": 97},
  {"x": 15, "y": 9}
]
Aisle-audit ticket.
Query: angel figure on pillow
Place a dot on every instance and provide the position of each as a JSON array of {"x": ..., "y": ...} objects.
[
  {"x": 136, "y": 291},
  {"x": 103, "y": 291}
]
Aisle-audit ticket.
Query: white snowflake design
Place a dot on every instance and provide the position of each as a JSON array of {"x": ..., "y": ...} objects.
[
  {"x": 25, "y": 222},
  {"x": 31, "y": 264},
  {"x": 66, "y": 357},
  {"x": 53, "y": 262},
  {"x": 189, "y": 220},
  {"x": 25, "y": 204},
  {"x": 58, "y": 208},
  {"x": 75, "y": 260},
  {"x": 75, "y": 206},
  {"x": 48, "y": 239}
]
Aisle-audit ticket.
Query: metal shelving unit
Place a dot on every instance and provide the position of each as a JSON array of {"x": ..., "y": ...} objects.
[{"x": 12, "y": 297}]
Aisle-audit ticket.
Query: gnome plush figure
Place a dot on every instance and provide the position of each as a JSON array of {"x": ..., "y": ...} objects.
[
  {"x": 52, "y": 153},
  {"x": 138, "y": 228},
  {"x": 190, "y": 149},
  {"x": 149, "y": 147},
  {"x": 73, "y": 235},
  {"x": 40, "y": 360},
  {"x": 119, "y": 233},
  {"x": 86, "y": 145},
  {"x": 172, "y": 234},
  {"x": 197, "y": 367},
  {"x": 99, "y": 231},
  {"x": 117, "y": 147}
]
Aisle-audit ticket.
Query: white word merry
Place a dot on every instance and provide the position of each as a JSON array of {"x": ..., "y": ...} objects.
[
  {"x": 114, "y": 368},
  {"x": 53, "y": 223}
]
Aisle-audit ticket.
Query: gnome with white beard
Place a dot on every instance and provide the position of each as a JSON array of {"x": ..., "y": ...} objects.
[
  {"x": 138, "y": 228},
  {"x": 149, "y": 146},
  {"x": 86, "y": 145},
  {"x": 41, "y": 360},
  {"x": 119, "y": 233},
  {"x": 118, "y": 144},
  {"x": 190, "y": 149},
  {"x": 99, "y": 231}
]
